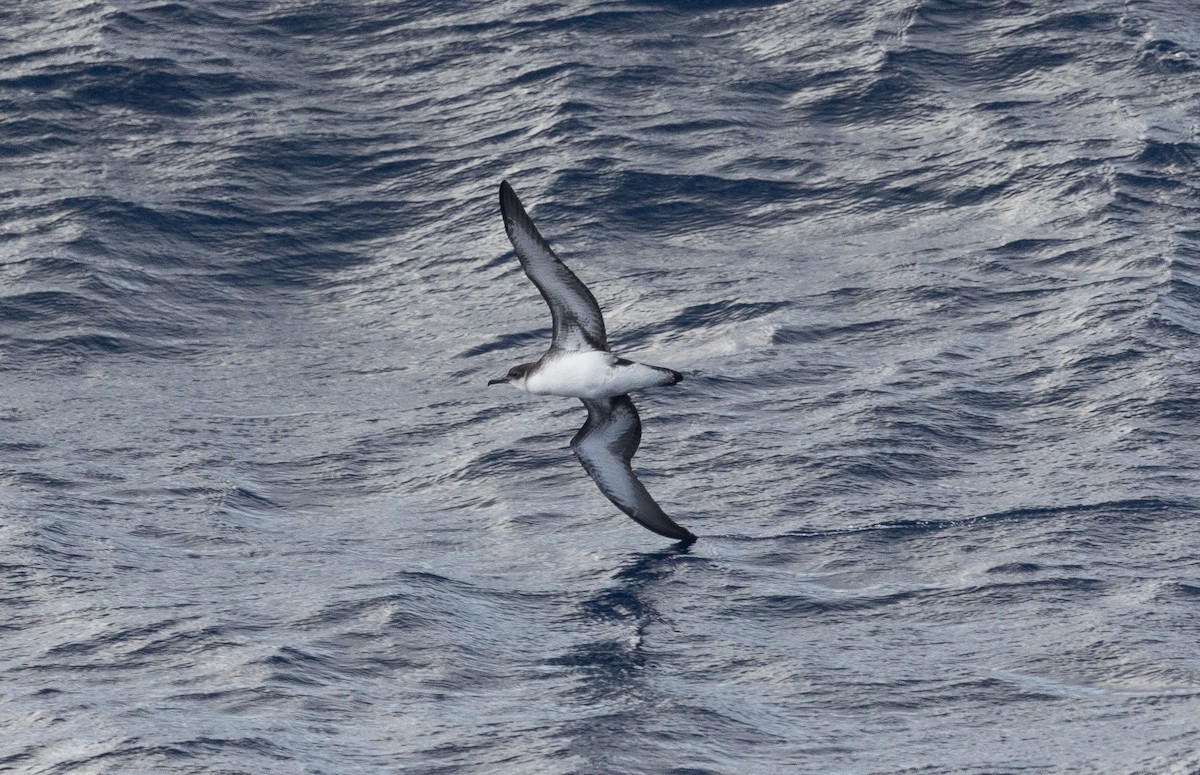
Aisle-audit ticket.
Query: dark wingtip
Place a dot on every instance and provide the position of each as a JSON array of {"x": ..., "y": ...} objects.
[
  {"x": 514, "y": 216},
  {"x": 677, "y": 378},
  {"x": 509, "y": 203},
  {"x": 672, "y": 530},
  {"x": 511, "y": 208}
]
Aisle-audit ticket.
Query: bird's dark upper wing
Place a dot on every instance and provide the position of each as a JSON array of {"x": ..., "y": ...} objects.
[
  {"x": 605, "y": 445},
  {"x": 578, "y": 324}
]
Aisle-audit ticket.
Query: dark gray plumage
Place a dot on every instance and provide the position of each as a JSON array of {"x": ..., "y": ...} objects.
[
  {"x": 605, "y": 445},
  {"x": 578, "y": 324},
  {"x": 579, "y": 364}
]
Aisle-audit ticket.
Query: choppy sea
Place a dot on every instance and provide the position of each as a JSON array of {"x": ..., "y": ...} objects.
[{"x": 931, "y": 269}]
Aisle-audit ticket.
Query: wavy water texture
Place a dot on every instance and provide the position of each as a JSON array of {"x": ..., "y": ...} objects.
[{"x": 930, "y": 267}]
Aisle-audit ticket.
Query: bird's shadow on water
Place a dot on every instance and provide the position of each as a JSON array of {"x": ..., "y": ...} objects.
[{"x": 610, "y": 663}]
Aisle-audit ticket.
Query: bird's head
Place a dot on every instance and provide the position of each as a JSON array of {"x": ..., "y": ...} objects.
[{"x": 516, "y": 376}]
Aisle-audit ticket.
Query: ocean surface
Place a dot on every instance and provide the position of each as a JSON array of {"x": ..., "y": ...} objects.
[{"x": 932, "y": 271}]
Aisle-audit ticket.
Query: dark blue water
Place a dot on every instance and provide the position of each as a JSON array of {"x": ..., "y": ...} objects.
[{"x": 932, "y": 270}]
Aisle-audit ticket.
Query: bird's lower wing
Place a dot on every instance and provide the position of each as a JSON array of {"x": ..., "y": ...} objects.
[{"x": 605, "y": 445}]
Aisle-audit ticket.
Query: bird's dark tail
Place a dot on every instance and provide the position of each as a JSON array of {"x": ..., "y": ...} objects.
[{"x": 675, "y": 377}]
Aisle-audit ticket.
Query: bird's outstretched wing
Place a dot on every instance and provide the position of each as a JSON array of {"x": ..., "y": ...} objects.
[
  {"x": 605, "y": 445},
  {"x": 578, "y": 324}
]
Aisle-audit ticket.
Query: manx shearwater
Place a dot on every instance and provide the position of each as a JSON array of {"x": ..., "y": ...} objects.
[{"x": 580, "y": 365}]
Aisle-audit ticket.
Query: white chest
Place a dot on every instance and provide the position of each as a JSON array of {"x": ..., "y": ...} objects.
[
  {"x": 574, "y": 375},
  {"x": 591, "y": 374}
]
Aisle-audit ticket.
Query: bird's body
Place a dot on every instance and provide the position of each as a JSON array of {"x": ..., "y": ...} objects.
[
  {"x": 580, "y": 365},
  {"x": 592, "y": 374}
]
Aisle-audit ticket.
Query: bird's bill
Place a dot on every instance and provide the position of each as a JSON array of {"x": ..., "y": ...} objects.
[{"x": 499, "y": 381}]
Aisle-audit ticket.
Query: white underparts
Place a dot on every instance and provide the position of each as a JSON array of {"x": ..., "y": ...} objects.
[{"x": 590, "y": 374}]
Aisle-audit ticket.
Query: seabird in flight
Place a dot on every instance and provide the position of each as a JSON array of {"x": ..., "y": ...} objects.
[{"x": 580, "y": 365}]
